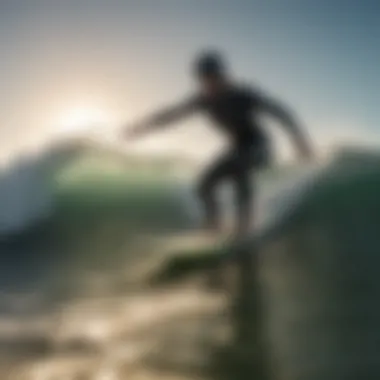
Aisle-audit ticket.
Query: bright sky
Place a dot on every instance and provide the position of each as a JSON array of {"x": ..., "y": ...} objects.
[{"x": 66, "y": 63}]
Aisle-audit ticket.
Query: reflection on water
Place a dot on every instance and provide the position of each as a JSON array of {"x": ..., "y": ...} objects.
[
  {"x": 136, "y": 334},
  {"x": 77, "y": 304}
]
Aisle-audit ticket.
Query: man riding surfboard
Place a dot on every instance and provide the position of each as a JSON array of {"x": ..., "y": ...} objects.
[{"x": 235, "y": 111}]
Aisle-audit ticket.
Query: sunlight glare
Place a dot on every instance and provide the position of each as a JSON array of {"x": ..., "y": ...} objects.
[{"x": 81, "y": 119}]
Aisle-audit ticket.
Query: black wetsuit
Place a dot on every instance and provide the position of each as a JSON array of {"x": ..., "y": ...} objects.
[{"x": 234, "y": 112}]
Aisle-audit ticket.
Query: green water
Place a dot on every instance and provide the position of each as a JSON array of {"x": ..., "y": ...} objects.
[{"x": 100, "y": 247}]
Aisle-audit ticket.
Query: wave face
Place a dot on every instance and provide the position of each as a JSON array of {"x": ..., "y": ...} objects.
[
  {"x": 76, "y": 203},
  {"x": 320, "y": 275},
  {"x": 34, "y": 188},
  {"x": 76, "y": 178},
  {"x": 25, "y": 197},
  {"x": 75, "y": 199}
]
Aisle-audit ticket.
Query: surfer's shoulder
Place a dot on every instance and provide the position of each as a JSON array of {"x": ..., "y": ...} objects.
[{"x": 248, "y": 89}]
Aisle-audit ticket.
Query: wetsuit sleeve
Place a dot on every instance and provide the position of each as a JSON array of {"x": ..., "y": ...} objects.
[
  {"x": 173, "y": 114},
  {"x": 263, "y": 103}
]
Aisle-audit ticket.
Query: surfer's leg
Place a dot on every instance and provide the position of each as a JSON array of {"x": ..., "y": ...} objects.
[
  {"x": 246, "y": 161},
  {"x": 242, "y": 182},
  {"x": 208, "y": 185},
  {"x": 206, "y": 191},
  {"x": 244, "y": 200}
]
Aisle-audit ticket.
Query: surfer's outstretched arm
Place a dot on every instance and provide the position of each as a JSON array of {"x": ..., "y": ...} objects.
[
  {"x": 163, "y": 118},
  {"x": 288, "y": 120}
]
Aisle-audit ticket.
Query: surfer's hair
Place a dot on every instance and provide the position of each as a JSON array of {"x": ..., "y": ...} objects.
[{"x": 209, "y": 64}]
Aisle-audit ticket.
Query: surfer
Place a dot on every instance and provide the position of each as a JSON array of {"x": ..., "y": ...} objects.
[{"x": 235, "y": 110}]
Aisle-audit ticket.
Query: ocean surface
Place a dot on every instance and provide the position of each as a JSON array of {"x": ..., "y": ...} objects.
[{"x": 82, "y": 229}]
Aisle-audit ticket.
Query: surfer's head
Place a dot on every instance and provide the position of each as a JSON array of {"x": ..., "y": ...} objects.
[{"x": 210, "y": 70}]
